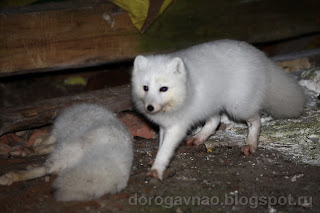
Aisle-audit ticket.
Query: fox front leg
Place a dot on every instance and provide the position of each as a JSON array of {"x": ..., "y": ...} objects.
[
  {"x": 161, "y": 137},
  {"x": 161, "y": 134},
  {"x": 171, "y": 138}
]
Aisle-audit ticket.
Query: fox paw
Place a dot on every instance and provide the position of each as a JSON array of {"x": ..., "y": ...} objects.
[
  {"x": 154, "y": 173},
  {"x": 6, "y": 179},
  {"x": 194, "y": 142},
  {"x": 151, "y": 163},
  {"x": 248, "y": 149}
]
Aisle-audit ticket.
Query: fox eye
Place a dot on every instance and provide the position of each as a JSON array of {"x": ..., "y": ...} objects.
[
  {"x": 163, "y": 89},
  {"x": 145, "y": 88}
]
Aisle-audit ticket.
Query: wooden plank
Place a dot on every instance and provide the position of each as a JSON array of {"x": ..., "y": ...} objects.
[
  {"x": 64, "y": 37},
  {"x": 43, "y": 112}
]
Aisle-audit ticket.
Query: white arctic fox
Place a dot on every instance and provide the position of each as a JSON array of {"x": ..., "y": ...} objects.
[
  {"x": 93, "y": 155},
  {"x": 180, "y": 89}
]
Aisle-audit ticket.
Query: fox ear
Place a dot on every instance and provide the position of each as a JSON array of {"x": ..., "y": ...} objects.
[
  {"x": 140, "y": 62},
  {"x": 176, "y": 65}
]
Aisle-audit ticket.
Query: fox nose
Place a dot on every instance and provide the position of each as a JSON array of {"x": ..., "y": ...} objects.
[{"x": 150, "y": 108}]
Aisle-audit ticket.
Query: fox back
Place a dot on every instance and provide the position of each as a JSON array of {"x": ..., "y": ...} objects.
[
  {"x": 93, "y": 155},
  {"x": 206, "y": 79}
]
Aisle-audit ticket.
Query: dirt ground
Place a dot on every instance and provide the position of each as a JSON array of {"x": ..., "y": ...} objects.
[
  {"x": 198, "y": 179},
  {"x": 223, "y": 180}
]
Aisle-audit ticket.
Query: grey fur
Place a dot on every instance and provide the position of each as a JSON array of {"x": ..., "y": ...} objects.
[{"x": 93, "y": 155}]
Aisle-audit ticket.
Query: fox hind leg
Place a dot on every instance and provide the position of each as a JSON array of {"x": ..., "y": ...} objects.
[
  {"x": 16, "y": 176},
  {"x": 31, "y": 172},
  {"x": 254, "y": 126},
  {"x": 208, "y": 129}
]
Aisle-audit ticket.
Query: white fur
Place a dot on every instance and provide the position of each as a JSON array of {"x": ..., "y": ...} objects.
[
  {"x": 93, "y": 155},
  {"x": 206, "y": 80}
]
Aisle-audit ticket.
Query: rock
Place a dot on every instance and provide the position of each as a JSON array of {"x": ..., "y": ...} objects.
[
  {"x": 295, "y": 64},
  {"x": 21, "y": 133}
]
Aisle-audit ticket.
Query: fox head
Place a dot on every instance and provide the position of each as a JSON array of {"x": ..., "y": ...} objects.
[{"x": 158, "y": 84}]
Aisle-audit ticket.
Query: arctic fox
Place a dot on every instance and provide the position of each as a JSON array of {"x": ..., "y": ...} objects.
[
  {"x": 183, "y": 88},
  {"x": 92, "y": 156}
]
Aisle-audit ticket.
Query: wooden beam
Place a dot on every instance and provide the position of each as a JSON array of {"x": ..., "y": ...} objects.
[
  {"x": 51, "y": 38},
  {"x": 186, "y": 23},
  {"x": 41, "y": 113}
]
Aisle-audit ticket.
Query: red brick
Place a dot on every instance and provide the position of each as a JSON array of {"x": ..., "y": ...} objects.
[
  {"x": 40, "y": 134},
  {"x": 4, "y": 139},
  {"x": 4, "y": 149},
  {"x": 11, "y": 139},
  {"x": 136, "y": 125}
]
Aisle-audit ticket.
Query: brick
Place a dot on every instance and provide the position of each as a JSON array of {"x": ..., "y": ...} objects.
[
  {"x": 37, "y": 137},
  {"x": 137, "y": 125},
  {"x": 4, "y": 149},
  {"x": 11, "y": 139},
  {"x": 4, "y": 139}
]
